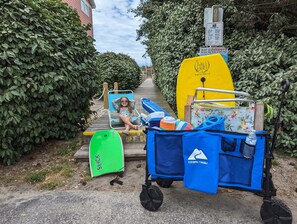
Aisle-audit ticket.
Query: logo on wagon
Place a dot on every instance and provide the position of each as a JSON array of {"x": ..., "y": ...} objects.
[{"x": 198, "y": 156}]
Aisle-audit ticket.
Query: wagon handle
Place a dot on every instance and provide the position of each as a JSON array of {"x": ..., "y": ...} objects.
[
  {"x": 284, "y": 86},
  {"x": 239, "y": 93}
]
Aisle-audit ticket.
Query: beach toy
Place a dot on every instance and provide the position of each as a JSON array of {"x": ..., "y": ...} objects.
[
  {"x": 182, "y": 125},
  {"x": 213, "y": 122},
  {"x": 167, "y": 123}
]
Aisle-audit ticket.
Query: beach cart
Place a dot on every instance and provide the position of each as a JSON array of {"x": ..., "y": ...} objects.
[{"x": 207, "y": 159}]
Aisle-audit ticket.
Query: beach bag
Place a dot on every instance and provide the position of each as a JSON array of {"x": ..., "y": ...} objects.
[{"x": 200, "y": 153}]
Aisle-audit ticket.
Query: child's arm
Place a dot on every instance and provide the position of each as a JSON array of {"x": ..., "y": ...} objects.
[{"x": 114, "y": 103}]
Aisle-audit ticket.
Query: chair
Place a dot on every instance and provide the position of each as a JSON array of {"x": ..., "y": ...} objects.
[
  {"x": 114, "y": 120},
  {"x": 237, "y": 119}
]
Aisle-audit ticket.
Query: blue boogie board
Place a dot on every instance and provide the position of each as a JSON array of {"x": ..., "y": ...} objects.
[
  {"x": 200, "y": 152},
  {"x": 151, "y": 106}
]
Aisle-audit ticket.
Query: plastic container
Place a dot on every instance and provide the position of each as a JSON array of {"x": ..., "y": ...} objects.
[
  {"x": 154, "y": 122},
  {"x": 167, "y": 123}
]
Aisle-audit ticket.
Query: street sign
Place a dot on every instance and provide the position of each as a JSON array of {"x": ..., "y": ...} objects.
[
  {"x": 215, "y": 50},
  {"x": 214, "y": 14},
  {"x": 214, "y": 34}
]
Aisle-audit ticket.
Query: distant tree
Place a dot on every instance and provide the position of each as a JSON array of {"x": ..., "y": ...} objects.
[{"x": 119, "y": 68}]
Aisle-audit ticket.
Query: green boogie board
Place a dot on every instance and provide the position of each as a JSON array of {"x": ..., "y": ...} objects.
[{"x": 106, "y": 153}]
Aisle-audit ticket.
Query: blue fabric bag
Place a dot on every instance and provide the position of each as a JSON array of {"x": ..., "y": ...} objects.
[
  {"x": 165, "y": 154},
  {"x": 200, "y": 152}
]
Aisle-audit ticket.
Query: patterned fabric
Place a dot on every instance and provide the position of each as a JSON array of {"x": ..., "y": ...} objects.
[
  {"x": 237, "y": 119},
  {"x": 125, "y": 112}
]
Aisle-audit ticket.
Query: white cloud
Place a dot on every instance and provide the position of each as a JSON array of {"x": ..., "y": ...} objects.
[{"x": 115, "y": 29}]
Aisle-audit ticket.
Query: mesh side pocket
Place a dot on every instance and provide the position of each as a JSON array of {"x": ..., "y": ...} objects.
[
  {"x": 228, "y": 144},
  {"x": 235, "y": 170}
]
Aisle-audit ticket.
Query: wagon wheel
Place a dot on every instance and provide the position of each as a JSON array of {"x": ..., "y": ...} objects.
[
  {"x": 151, "y": 197},
  {"x": 275, "y": 212},
  {"x": 164, "y": 183}
]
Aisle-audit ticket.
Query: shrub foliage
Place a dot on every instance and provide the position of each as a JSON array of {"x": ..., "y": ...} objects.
[
  {"x": 261, "y": 38},
  {"x": 119, "y": 68},
  {"x": 48, "y": 73}
]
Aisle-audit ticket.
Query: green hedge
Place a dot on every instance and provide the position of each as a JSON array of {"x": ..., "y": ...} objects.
[
  {"x": 119, "y": 68},
  {"x": 48, "y": 73},
  {"x": 260, "y": 69},
  {"x": 261, "y": 42}
]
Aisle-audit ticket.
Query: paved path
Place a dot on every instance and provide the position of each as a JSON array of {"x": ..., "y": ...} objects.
[{"x": 179, "y": 206}]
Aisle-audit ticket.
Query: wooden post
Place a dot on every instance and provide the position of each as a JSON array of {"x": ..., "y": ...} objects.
[
  {"x": 190, "y": 100},
  {"x": 116, "y": 87},
  {"x": 259, "y": 116},
  {"x": 187, "y": 115},
  {"x": 187, "y": 110},
  {"x": 105, "y": 96}
]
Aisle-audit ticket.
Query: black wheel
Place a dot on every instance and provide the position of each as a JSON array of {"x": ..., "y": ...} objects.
[
  {"x": 151, "y": 197},
  {"x": 164, "y": 183},
  {"x": 275, "y": 212}
]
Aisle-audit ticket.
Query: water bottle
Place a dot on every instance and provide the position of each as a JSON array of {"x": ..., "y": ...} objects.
[{"x": 250, "y": 145}]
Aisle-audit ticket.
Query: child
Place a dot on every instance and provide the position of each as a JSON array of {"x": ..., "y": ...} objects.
[{"x": 124, "y": 107}]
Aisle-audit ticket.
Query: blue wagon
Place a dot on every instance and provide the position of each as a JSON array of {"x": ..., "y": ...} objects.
[{"x": 205, "y": 160}]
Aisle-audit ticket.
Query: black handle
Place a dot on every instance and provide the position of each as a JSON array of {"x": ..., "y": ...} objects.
[{"x": 285, "y": 85}]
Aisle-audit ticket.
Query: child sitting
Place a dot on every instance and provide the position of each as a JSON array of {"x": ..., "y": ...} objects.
[{"x": 124, "y": 107}]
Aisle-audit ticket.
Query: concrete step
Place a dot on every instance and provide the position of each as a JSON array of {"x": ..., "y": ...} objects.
[
  {"x": 135, "y": 136},
  {"x": 133, "y": 151}
]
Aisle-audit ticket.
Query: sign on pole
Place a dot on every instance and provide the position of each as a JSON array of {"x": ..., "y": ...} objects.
[
  {"x": 215, "y": 50},
  {"x": 214, "y": 34},
  {"x": 213, "y": 14}
]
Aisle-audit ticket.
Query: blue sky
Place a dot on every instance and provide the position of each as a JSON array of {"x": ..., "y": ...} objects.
[{"x": 115, "y": 29}]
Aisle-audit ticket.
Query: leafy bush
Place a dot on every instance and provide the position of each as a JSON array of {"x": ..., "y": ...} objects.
[
  {"x": 268, "y": 61},
  {"x": 261, "y": 39},
  {"x": 48, "y": 73},
  {"x": 119, "y": 68}
]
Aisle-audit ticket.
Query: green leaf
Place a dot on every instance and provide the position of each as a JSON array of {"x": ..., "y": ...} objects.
[{"x": 33, "y": 48}]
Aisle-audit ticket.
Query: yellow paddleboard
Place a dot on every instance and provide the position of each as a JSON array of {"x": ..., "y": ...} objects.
[{"x": 210, "y": 71}]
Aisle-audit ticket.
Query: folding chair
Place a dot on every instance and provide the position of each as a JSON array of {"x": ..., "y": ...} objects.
[
  {"x": 114, "y": 120},
  {"x": 238, "y": 119}
]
